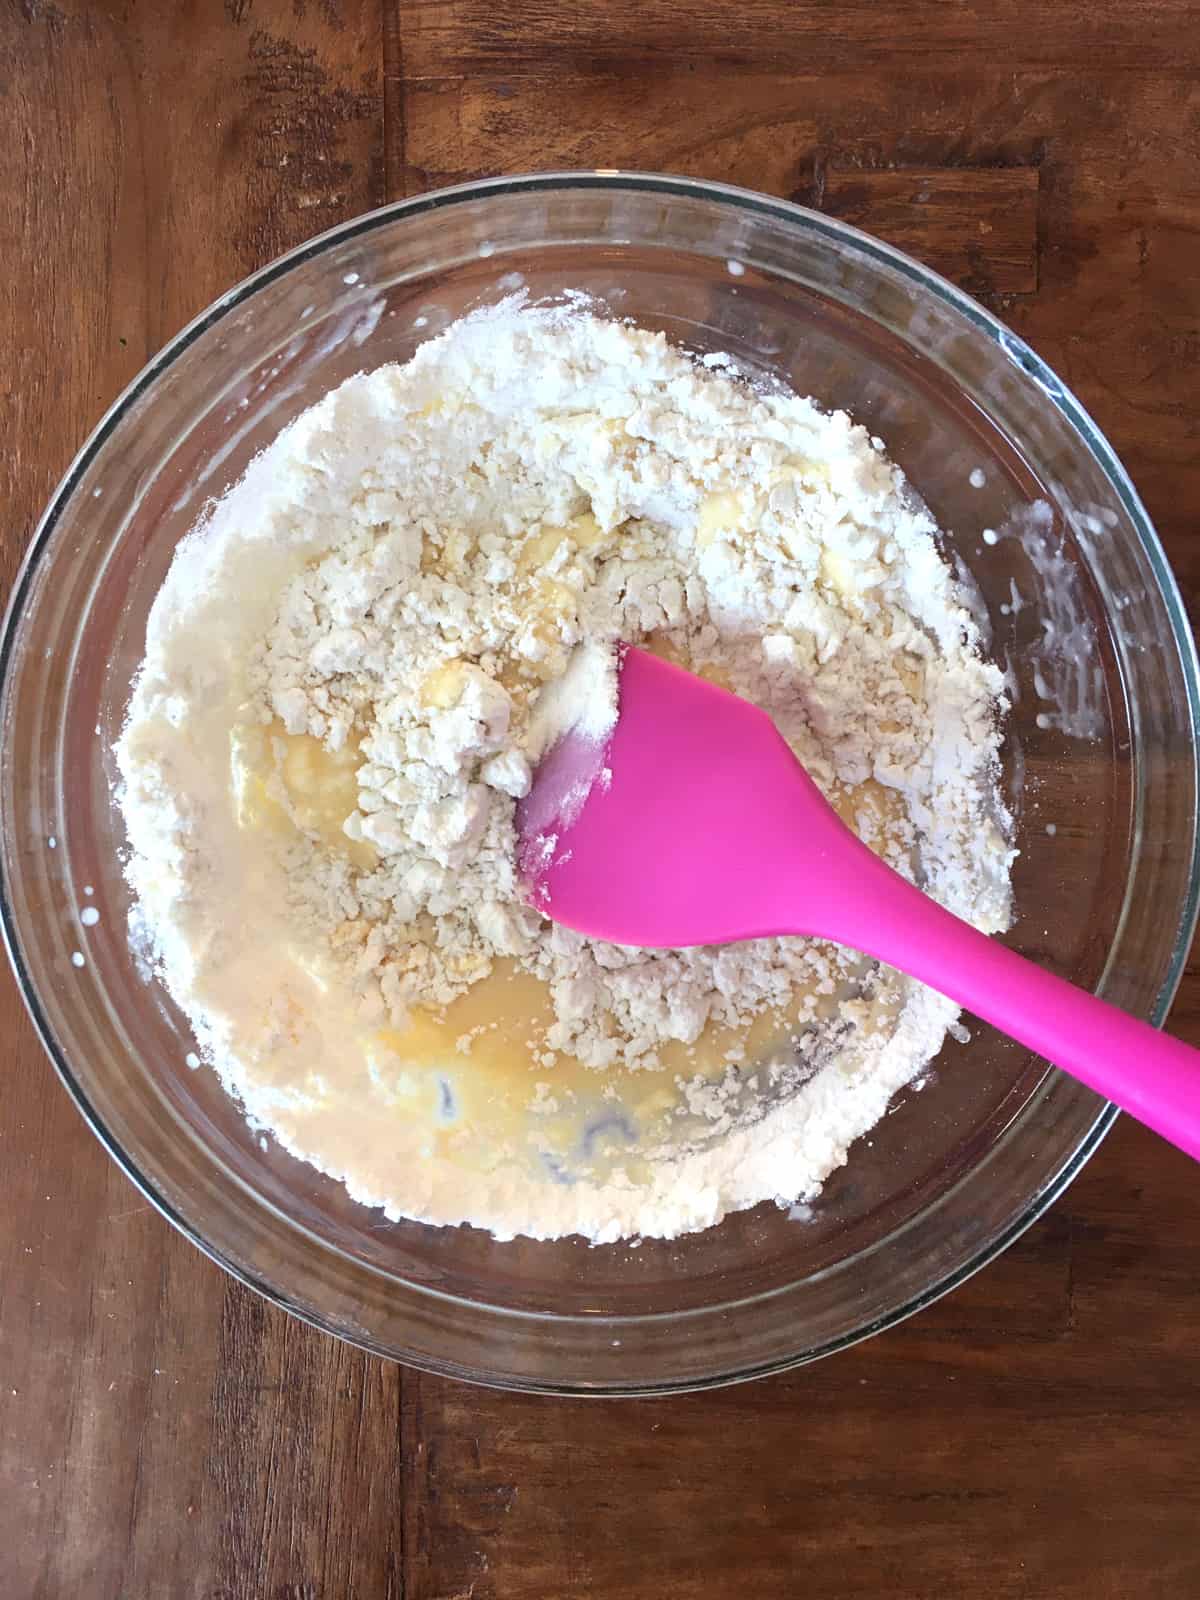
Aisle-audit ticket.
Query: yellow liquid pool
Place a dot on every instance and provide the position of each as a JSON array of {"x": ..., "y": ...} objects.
[{"x": 477, "y": 1072}]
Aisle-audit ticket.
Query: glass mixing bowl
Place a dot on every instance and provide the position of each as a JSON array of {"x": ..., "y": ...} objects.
[{"x": 1100, "y": 767}]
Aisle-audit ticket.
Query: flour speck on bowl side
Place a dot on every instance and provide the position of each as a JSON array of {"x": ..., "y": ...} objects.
[{"x": 349, "y": 674}]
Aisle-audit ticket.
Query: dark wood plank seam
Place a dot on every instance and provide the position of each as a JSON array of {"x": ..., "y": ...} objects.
[
  {"x": 394, "y": 106},
  {"x": 146, "y": 1401},
  {"x": 404, "y": 1375},
  {"x": 412, "y": 1460}
]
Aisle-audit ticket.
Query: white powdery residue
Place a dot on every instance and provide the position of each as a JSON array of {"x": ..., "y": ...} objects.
[
  {"x": 424, "y": 578},
  {"x": 582, "y": 702}
]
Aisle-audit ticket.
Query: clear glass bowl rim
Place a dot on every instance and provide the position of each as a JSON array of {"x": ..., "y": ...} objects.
[{"x": 1015, "y": 350}]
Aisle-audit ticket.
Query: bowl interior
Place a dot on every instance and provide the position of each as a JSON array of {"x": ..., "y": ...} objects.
[{"x": 1099, "y": 772}]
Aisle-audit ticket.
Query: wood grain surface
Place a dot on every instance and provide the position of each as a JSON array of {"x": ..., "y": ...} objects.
[{"x": 165, "y": 1433}]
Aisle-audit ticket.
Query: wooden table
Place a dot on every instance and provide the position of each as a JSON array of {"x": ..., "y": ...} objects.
[{"x": 163, "y": 1432}]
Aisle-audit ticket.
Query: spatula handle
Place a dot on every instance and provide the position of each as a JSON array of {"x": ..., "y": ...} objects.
[{"x": 1152, "y": 1076}]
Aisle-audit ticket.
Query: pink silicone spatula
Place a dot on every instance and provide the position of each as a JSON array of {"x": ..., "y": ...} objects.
[{"x": 705, "y": 829}]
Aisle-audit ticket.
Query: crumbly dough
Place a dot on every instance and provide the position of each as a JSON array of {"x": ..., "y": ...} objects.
[{"x": 349, "y": 673}]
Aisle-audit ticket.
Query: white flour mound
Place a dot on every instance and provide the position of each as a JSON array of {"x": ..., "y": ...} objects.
[{"x": 403, "y": 578}]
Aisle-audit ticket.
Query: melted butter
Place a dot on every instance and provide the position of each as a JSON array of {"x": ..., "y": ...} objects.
[
  {"x": 801, "y": 470},
  {"x": 584, "y": 532},
  {"x": 555, "y": 600},
  {"x": 480, "y": 1071},
  {"x": 720, "y": 514},
  {"x": 254, "y": 805},
  {"x": 444, "y": 686},
  {"x": 837, "y": 572},
  {"x": 499, "y": 1025},
  {"x": 478, "y": 1074},
  {"x": 320, "y": 783},
  {"x": 546, "y": 601},
  {"x": 285, "y": 781},
  {"x": 665, "y": 648},
  {"x": 883, "y": 803}
]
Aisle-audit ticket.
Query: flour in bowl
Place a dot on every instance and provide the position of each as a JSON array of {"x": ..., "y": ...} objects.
[{"x": 352, "y": 667}]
